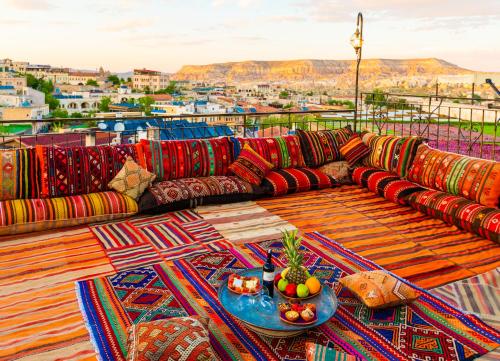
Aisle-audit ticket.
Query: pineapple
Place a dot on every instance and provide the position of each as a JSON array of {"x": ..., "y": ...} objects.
[{"x": 296, "y": 273}]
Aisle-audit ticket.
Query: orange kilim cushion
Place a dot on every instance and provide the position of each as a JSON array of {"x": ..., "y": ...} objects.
[
  {"x": 378, "y": 289},
  {"x": 132, "y": 180},
  {"x": 178, "y": 338}
]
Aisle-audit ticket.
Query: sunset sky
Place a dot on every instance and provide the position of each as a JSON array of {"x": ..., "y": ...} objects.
[{"x": 165, "y": 34}]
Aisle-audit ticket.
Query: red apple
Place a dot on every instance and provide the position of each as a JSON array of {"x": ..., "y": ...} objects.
[
  {"x": 277, "y": 278},
  {"x": 291, "y": 290}
]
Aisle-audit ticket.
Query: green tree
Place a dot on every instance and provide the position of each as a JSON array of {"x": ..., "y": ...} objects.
[
  {"x": 104, "y": 104},
  {"x": 114, "y": 79},
  {"x": 145, "y": 104},
  {"x": 129, "y": 80},
  {"x": 60, "y": 113},
  {"x": 92, "y": 82},
  {"x": 377, "y": 98},
  {"x": 51, "y": 101},
  {"x": 284, "y": 94},
  {"x": 76, "y": 115}
]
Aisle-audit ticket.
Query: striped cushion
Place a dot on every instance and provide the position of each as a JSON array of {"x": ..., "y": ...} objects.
[
  {"x": 360, "y": 175},
  {"x": 19, "y": 174},
  {"x": 354, "y": 150},
  {"x": 250, "y": 166},
  {"x": 472, "y": 178},
  {"x": 28, "y": 215},
  {"x": 286, "y": 181},
  {"x": 392, "y": 153},
  {"x": 281, "y": 152},
  {"x": 175, "y": 159},
  {"x": 459, "y": 211}
]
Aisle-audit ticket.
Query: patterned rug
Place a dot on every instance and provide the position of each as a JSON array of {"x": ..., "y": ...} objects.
[
  {"x": 244, "y": 222},
  {"x": 428, "y": 329},
  {"x": 423, "y": 250}
]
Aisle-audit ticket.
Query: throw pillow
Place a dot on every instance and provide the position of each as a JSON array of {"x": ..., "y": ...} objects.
[
  {"x": 378, "y": 289},
  {"x": 354, "y": 150},
  {"x": 315, "y": 352},
  {"x": 250, "y": 166},
  {"x": 132, "y": 180},
  {"x": 338, "y": 170},
  {"x": 178, "y": 338}
]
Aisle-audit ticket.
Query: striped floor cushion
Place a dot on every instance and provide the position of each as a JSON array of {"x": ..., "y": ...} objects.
[
  {"x": 294, "y": 180},
  {"x": 459, "y": 211},
  {"x": 29, "y": 215},
  {"x": 360, "y": 175}
]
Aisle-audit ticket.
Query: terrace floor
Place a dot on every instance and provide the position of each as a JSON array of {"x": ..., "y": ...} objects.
[{"x": 40, "y": 317}]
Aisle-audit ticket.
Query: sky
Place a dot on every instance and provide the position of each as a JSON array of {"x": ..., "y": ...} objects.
[{"x": 165, "y": 34}]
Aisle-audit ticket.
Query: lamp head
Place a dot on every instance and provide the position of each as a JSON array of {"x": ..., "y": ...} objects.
[{"x": 356, "y": 40}]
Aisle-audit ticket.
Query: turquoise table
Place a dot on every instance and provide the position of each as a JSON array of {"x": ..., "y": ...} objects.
[{"x": 260, "y": 312}]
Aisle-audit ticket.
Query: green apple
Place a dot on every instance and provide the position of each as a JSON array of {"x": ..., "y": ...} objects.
[
  {"x": 282, "y": 283},
  {"x": 302, "y": 290}
]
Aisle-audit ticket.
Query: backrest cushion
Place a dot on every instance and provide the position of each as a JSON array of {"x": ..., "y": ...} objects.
[
  {"x": 69, "y": 171},
  {"x": 175, "y": 159},
  {"x": 472, "y": 178},
  {"x": 250, "y": 166},
  {"x": 354, "y": 150},
  {"x": 281, "y": 152},
  {"x": 19, "y": 174},
  {"x": 322, "y": 147},
  {"x": 392, "y": 153}
]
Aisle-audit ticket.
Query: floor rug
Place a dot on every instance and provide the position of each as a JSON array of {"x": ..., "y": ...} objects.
[
  {"x": 423, "y": 250},
  {"x": 428, "y": 329},
  {"x": 244, "y": 222}
]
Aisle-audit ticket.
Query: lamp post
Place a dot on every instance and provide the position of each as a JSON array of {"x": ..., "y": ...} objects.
[{"x": 357, "y": 44}]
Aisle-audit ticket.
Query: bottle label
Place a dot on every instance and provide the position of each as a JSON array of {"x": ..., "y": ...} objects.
[{"x": 268, "y": 276}]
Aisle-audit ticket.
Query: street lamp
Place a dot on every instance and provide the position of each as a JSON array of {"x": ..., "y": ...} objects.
[{"x": 357, "y": 44}]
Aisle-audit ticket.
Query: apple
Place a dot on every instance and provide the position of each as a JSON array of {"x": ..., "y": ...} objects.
[
  {"x": 277, "y": 278},
  {"x": 282, "y": 284},
  {"x": 302, "y": 290},
  {"x": 291, "y": 290}
]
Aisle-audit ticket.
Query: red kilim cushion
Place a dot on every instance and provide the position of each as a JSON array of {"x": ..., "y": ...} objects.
[
  {"x": 354, "y": 150},
  {"x": 250, "y": 166},
  {"x": 286, "y": 181}
]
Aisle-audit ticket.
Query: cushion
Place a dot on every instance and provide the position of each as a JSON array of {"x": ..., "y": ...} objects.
[
  {"x": 178, "y": 338},
  {"x": 250, "y": 166},
  {"x": 360, "y": 175},
  {"x": 321, "y": 147},
  {"x": 472, "y": 178},
  {"x": 378, "y": 289},
  {"x": 29, "y": 215},
  {"x": 132, "y": 180},
  {"x": 19, "y": 174},
  {"x": 339, "y": 170},
  {"x": 391, "y": 153},
  {"x": 354, "y": 150},
  {"x": 459, "y": 211},
  {"x": 282, "y": 152},
  {"x": 175, "y": 159},
  {"x": 316, "y": 352},
  {"x": 286, "y": 181}
]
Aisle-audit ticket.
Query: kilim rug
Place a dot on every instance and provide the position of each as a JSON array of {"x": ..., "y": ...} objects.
[
  {"x": 244, "y": 222},
  {"x": 428, "y": 329}
]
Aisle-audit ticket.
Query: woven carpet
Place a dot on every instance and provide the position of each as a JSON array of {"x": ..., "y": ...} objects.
[
  {"x": 428, "y": 329},
  {"x": 423, "y": 250},
  {"x": 244, "y": 222}
]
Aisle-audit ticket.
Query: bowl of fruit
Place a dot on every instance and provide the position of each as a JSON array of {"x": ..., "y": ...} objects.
[
  {"x": 295, "y": 282},
  {"x": 297, "y": 314}
]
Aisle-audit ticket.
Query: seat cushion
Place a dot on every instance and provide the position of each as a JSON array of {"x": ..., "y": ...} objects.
[
  {"x": 472, "y": 178},
  {"x": 360, "y": 175},
  {"x": 459, "y": 211},
  {"x": 293, "y": 180},
  {"x": 339, "y": 170},
  {"x": 19, "y": 174},
  {"x": 28, "y": 215},
  {"x": 190, "y": 192}
]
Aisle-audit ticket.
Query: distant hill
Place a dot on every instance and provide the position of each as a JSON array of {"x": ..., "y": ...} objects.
[{"x": 339, "y": 72}]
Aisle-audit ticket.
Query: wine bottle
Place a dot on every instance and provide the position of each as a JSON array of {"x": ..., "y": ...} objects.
[{"x": 268, "y": 273}]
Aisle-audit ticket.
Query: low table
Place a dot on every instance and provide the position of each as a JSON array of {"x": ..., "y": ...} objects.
[{"x": 260, "y": 313}]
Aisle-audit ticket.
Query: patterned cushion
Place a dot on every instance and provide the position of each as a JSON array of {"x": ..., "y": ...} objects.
[
  {"x": 340, "y": 171},
  {"x": 472, "y": 178},
  {"x": 360, "y": 175},
  {"x": 281, "y": 152},
  {"x": 286, "y": 181},
  {"x": 28, "y": 215},
  {"x": 322, "y": 146},
  {"x": 19, "y": 174},
  {"x": 175, "y": 159},
  {"x": 250, "y": 166},
  {"x": 461, "y": 212},
  {"x": 178, "y": 338},
  {"x": 315, "y": 352},
  {"x": 132, "y": 180},
  {"x": 378, "y": 289},
  {"x": 392, "y": 153},
  {"x": 354, "y": 150}
]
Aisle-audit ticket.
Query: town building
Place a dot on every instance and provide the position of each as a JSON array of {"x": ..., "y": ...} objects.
[
  {"x": 144, "y": 79},
  {"x": 12, "y": 79}
]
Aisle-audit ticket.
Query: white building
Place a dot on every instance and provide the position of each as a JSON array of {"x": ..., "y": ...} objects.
[{"x": 27, "y": 97}]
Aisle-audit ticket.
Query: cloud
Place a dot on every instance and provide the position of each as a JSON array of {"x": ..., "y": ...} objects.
[
  {"x": 127, "y": 25},
  {"x": 30, "y": 4},
  {"x": 240, "y": 3},
  {"x": 249, "y": 38},
  {"x": 287, "y": 18}
]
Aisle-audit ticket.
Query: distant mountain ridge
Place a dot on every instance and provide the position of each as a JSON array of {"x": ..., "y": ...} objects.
[{"x": 307, "y": 70}]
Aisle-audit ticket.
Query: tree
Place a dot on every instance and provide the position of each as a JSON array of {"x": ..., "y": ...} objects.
[
  {"x": 145, "y": 103},
  {"x": 129, "y": 80},
  {"x": 60, "y": 113},
  {"x": 284, "y": 94},
  {"x": 114, "y": 79},
  {"x": 51, "y": 101},
  {"x": 377, "y": 98},
  {"x": 76, "y": 115},
  {"x": 92, "y": 82},
  {"x": 104, "y": 104},
  {"x": 147, "y": 90}
]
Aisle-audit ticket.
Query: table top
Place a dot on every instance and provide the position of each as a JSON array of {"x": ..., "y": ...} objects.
[{"x": 262, "y": 311}]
